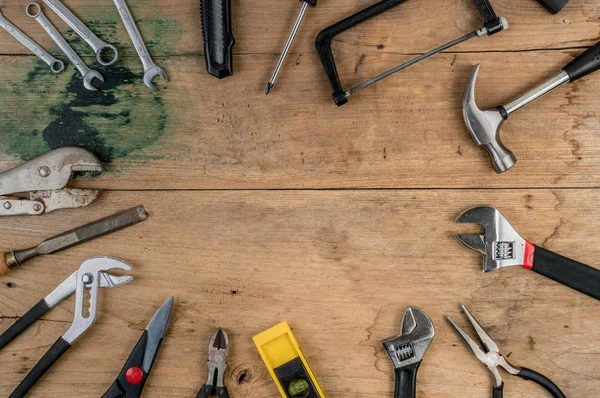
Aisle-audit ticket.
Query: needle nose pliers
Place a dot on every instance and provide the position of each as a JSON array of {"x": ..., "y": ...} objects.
[
  {"x": 492, "y": 359},
  {"x": 218, "y": 350}
]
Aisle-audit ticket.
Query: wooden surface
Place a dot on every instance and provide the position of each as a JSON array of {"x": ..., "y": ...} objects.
[{"x": 286, "y": 207}]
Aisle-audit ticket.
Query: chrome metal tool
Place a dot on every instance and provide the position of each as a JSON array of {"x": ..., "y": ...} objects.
[
  {"x": 288, "y": 43},
  {"x": 484, "y": 126},
  {"x": 490, "y": 356},
  {"x": 77, "y": 236},
  {"x": 34, "y": 10},
  {"x": 100, "y": 47},
  {"x": 218, "y": 351},
  {"x": 501, "y": 246},
  {"x": 407, "y": 350},
  {"x": 91, "y": 276},
  {"x": 41, "y": 185},
  {"x": 151, "y": 70},
  {"x": 55, "y": 65}
]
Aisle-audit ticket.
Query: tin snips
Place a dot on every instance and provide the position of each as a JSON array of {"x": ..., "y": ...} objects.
[{"x": 41, "y": 185}]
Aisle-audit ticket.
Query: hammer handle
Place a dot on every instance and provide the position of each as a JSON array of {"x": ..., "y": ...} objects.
[
  {"x": 571, "y": 273},
  {"x": 584, "y": 64}
]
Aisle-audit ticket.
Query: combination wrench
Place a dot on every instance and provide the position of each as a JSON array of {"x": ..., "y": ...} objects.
[
  {"x": 55, "y": 65},
  {"x": 151, "y": 70},
  {"x": 83, "y": 31},
  {"x": 34, "y": 10}
]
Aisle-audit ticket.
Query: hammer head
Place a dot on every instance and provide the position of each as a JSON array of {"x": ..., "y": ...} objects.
[{"x": 484, "y": 127}]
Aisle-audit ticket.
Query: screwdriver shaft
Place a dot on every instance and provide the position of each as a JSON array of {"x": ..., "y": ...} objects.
[{"x": 286, "y": 49}]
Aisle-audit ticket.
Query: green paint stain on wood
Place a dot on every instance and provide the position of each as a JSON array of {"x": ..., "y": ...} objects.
[{"x": 43, "y": 111}]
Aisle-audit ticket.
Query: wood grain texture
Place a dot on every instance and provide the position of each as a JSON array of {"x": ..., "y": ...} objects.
[
  {"x": 339, "y": 266},
  {"x": 286, "y": 207}
]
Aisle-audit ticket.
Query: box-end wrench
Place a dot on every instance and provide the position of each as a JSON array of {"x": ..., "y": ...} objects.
[
  {"x": 55, "y": 65},
  {"x": 34, "y": 10},
  {"x": 86, "y": 34},
  {"x": 151, "y": 70}
]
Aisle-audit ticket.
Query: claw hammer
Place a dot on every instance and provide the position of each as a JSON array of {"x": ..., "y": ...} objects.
[{"x": 484, "y": 126}]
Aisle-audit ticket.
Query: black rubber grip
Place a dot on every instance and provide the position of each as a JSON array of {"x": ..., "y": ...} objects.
[
  {"x": 23, "y": 323},
  {"x": 497, "y": 392},
  {"x": 311, "y": 2},
  {"x": 554, "y": 6},
  {"x": 486, "y": 11},
  {"x": 406, "y": 381},
  {"x": 569, "y": 272},
  {"x": 49, "y": 359},
  {"x": 324, "y": 38},
  {"x": 218, "y": 37},
  {"x": 222, "y": 392},
  {"x": 584, "y": 64},
  {"x": 542, "y": 380},
  {"x": 205, "y": 391}
]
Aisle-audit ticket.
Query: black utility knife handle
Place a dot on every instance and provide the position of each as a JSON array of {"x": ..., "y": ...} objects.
[
  {"x": 218, "y": 37},
  {"x": 324, "y": 38},
  {"x": 56, "y": 351},
  {"x": 569, "y": 272},
  {"x": 542, "y": 380},
  {"x": 23, "y": 323},
  {"x": 585, "y": 63},
  {"x": 406, "y": 381},
  {"x": 554, "y": 6}
]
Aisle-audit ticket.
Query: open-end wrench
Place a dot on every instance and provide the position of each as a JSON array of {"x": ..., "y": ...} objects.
[
  {"x": 151, "y": 70},
  {"x": 55, "y": 65},
  {"x": 407, "y": 349},
  {"x": 35, "y": 11},
  {"x": 84, "y": 32}
]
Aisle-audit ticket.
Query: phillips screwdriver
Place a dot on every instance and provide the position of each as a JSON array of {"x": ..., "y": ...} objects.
[
  {"x": 79, "y": 235},
  {"x": 288, "y": 44}
]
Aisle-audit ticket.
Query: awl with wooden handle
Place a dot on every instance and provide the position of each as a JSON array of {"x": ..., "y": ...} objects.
[{"x": 57, "y": 243}]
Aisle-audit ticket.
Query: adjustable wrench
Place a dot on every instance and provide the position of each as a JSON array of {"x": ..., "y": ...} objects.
[
  {"x": 407, "y": 349},
  {"x": 55, "y": 65},
  {"x": 35, "y": 11},
  {"x": 151, "y": 70},
  {"x": 501, "y": 246},
  {"x": 86, "y": 34}
]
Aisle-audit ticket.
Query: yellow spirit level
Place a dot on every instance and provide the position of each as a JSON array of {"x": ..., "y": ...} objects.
[{"x": 287, "y": 365}]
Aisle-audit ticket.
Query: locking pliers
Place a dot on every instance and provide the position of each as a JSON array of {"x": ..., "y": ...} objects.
[{"x": 41, "y": 185}]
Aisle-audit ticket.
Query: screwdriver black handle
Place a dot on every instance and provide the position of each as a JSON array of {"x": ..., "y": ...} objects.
[
  {"x": 218, "y": 37},
  {"x": 585, "y": 63},
  {"x": 571, "y": 273},
  {"x": 23, "y": 323},
  {"x": 56, "y": 351},
  {"x": 542, "y": 380},
  {"x": 406, "y": 381},
  {"x": 554, "y": 6}
]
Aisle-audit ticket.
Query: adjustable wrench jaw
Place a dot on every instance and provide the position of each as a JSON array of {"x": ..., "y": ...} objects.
[
  {"x": 484, "y": 128},
  {"x": 92, "y": 275},
  {"x": 410, "y": 346},
  {"x": 501, "y": 246}
]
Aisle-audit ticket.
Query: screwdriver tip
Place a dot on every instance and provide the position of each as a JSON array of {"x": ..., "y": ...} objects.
[{"x": 269, "y": 88}]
